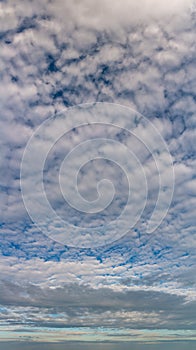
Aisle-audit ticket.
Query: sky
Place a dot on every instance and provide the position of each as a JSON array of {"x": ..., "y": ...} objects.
[{"x": 98, "y": 186}]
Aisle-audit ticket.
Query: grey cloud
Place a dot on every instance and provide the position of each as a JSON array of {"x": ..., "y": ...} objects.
[{"x": 76, "y": 306}]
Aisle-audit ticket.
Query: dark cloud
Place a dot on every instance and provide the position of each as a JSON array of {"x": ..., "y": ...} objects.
[{"x": 80, "y": 306}]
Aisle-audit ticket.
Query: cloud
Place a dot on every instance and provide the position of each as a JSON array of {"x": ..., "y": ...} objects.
[
  {"x": 57, "y": 54},
  {"x": 74, "y": 305},
  {"x": 114, "y": 15}
]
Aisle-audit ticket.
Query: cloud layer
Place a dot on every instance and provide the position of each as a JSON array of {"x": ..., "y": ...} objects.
[{"x": 54, "y": 55}]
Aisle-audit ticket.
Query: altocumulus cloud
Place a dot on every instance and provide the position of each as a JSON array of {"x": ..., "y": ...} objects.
[{"x": 55, "y": 54}]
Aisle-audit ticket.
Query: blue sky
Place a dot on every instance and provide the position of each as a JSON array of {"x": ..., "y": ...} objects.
[{"x": 59, "y": 284}]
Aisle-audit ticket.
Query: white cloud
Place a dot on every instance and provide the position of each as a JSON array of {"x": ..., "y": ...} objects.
[{"x": 138, "y": 54}]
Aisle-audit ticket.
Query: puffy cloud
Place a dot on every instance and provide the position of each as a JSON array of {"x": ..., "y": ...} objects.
[{"x": 60, "y": 53}]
